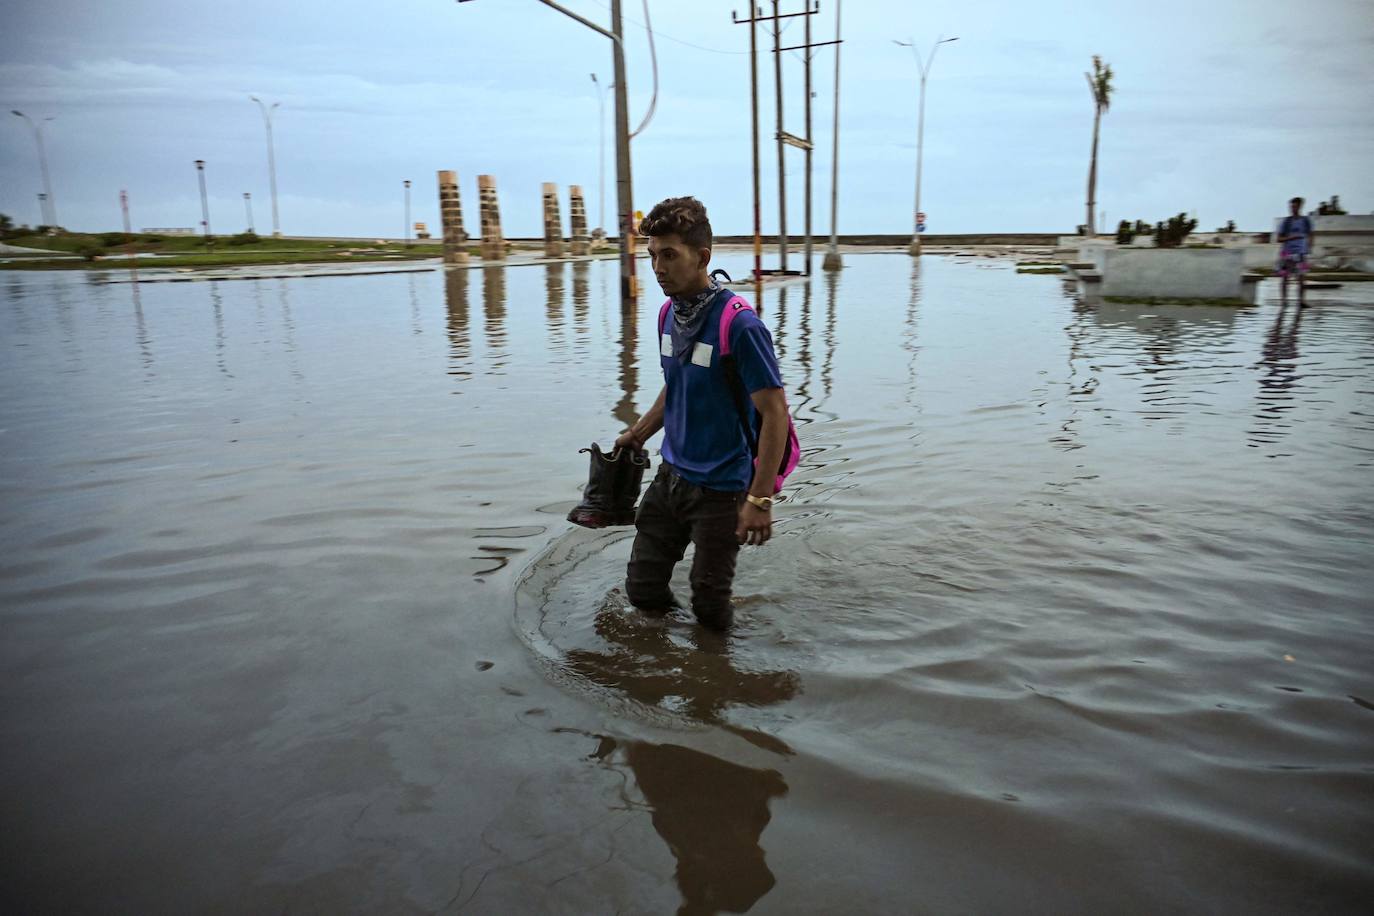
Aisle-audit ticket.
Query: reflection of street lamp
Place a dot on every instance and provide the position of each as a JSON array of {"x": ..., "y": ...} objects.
[
  {"x": 204, "y": 204},
  {"x": 407, "y": 187},
  {"x": 601, "y": 157},
  {"x": 49, "y": 209},
  {"x": 924, "y": 67},
  {"x": 271, "y": 161}
]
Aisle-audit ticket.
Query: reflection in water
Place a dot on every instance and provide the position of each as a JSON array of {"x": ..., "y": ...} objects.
[
  {"x": 553, "y": 302},
  {"x": 712, "y": 814},
  {"x": 624, "y": 410},
  {"x": 1279, "y": 357},
  {"x": 456, "y": 304},
  {"x": 415, "y": 327},
  {"x": 1084, "y": 377},
  {"x": 832, "y": 286},
  {"x": 581, "y": 297},
  {"x": 494, "y": 307},
  {"x": 288, "y": 330},
  {"x": 804, "y": 357},
  {"x": 909, "y": 334},
  {"x": 145, "y": 348},
  {"x": 217, "y": 308},
  {"x": 687, "y": 672},
  {"x": 780, "y": 326}
]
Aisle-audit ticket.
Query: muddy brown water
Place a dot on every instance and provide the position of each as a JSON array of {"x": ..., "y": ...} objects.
[{"x": 1069, "y": 609}]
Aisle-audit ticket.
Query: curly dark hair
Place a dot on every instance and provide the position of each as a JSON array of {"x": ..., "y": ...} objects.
[{"x": 684, "y": 216}]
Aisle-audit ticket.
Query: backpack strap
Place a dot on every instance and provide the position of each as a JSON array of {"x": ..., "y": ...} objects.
[
  {"x": 733, "y": 306},
  {"x": 663, "y": 314}
]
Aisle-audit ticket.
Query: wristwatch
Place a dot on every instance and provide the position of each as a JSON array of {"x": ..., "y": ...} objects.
[{"x": 763, "y": 502}]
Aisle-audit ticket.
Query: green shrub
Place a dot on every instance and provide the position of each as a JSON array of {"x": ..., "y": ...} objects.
[
  {"x": 110, "y": 239},
  {"x": 245, "y": 238},
  {"x": 90, "y": 251}
]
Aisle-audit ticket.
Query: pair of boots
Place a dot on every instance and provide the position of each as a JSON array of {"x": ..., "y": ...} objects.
[{"x": 612, "y": 488}]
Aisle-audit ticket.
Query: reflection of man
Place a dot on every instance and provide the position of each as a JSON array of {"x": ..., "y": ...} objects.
[
  {"x": 1295, "y": 244},
  {"x": 711, "y": 813},
  {"x": 706, "y": 492}
]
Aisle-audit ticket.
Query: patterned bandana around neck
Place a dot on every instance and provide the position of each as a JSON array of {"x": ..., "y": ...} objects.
[{"x": 689, "y": 314}]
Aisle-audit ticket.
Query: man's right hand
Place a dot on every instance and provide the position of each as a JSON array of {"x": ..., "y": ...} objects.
[{"x": 629, "y": 438}]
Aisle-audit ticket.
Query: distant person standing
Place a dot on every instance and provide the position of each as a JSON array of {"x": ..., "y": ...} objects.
[{"x": 1295, "y": 245}]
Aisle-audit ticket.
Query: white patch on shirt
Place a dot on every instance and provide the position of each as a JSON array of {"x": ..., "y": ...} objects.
[
  {"x": 665, "y": 346},
  {"x": 701, "y": 355}
]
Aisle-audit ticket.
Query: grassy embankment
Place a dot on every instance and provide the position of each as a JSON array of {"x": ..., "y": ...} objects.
[{"x": 192, "y": 251}]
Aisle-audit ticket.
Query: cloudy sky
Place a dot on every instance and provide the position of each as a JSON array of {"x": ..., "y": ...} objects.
[{"x": 1225, "y": 108}]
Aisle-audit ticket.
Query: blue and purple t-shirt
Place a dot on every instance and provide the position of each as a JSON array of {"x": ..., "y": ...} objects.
[{"x": 702, "y": 438}]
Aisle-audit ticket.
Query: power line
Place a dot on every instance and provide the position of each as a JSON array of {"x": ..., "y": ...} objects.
[{"x": 660, "y": 34}]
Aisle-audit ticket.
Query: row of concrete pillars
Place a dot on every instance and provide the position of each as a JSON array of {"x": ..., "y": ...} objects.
[{"x": 493, "y": 243}]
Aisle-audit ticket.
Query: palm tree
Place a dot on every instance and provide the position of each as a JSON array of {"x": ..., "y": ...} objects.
[{"x": 1100, "y": 84}]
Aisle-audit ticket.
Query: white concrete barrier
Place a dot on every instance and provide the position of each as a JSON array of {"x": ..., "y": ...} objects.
[{"x": 1180, "y": 273}]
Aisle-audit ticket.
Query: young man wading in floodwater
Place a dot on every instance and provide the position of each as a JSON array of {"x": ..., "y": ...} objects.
[
  {"x": 1295, "y": 243},
  {"x": 706, "y": 492}
]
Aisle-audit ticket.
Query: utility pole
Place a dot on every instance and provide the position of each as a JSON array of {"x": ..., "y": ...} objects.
[
  {"x": 832, "y": 257},
  {"x": 924, "y": 66},
  {"x": 248, "y": 209},
  {"x": 128, "y": 230},
  {"x": 49, "y": 203},
  {"x": 271, "y": 161},
  {"x": 754, "y": 121},
  {"x": 204, "y": 206},
  {"x": 784, "y": 139},
  {"x": 407, "y": 187},
  {"x": 629, "y": 289}
]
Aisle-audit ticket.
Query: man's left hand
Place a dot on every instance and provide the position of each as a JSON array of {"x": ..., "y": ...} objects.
[{"x": 755, "y": 525}]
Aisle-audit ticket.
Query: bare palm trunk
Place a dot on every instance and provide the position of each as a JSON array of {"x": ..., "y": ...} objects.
[{"x": 1092, "y": 177}]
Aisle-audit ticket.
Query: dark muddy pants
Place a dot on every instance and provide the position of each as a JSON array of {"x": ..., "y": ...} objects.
[{"x": 673, "y": 514}]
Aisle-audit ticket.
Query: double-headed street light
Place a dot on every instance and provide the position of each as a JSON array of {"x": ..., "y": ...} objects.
[
  {"x": 924, "y": 67},
  {"x": 48, "y": 202},
  {"x": 271, "y": 161}
]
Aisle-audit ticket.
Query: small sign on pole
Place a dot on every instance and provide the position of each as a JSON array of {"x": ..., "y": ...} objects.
[{"x": 920, "y": 221}]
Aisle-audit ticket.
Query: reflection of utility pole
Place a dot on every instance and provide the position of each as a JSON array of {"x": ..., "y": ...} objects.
[
  {"x": 49, "y": 203},
  {"x": 204, "y": 205},
  {"x": 624, "y": 188}
]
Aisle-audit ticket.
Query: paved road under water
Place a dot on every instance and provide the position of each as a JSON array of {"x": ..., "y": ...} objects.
[{"x": 1069, "y": 610}]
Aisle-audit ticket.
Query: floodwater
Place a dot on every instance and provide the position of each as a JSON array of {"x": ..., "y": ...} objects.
[{"x": 1069, "y": 609}]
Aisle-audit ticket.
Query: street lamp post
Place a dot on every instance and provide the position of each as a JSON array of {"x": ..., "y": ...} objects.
[
  {"x": 248, "y": 209},
  {"x": 271, "y": 161},
  {"x": 49, "y": 210},
  {"x": 601, "y": 156},
  {"x": 924, "y": 67},
  {"x": 407, "y": 187},
  {"x": 204, "y": 205}
]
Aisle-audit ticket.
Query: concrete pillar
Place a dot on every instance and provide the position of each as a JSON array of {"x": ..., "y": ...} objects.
[
  {"x": 451, "y": 218},
  {"x": 553, "y": 222},
  {"x": 577, "y": 214},
  {"x": 493, "y": 243}
]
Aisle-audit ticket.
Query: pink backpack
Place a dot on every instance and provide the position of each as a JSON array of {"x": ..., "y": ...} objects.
[{"x": 791, "y": 453}]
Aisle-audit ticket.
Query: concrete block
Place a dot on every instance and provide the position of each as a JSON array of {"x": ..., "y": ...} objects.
[
  {"x": 451, "y": 217},
  {"x": 493, "y": 243},
  {"x": 1181, "y": 273},
  {"x": 553, "y": 222}
]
